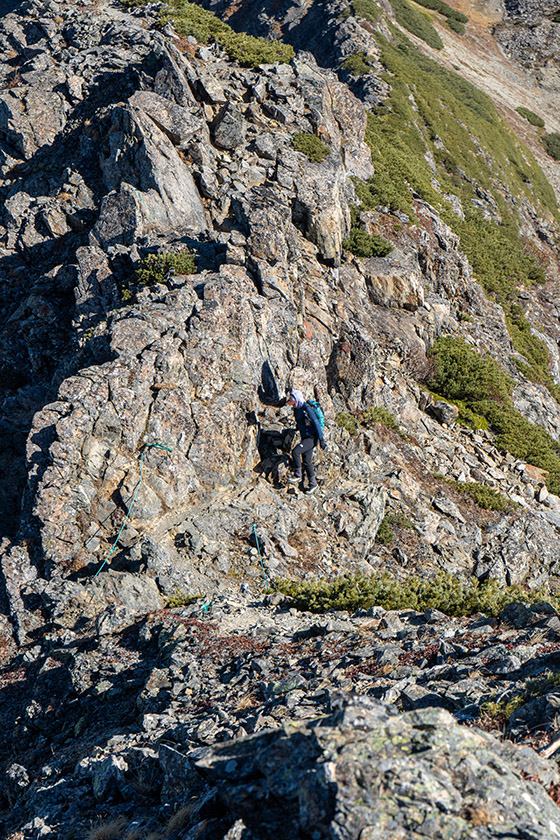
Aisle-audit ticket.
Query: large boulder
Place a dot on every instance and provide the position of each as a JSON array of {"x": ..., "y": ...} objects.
[{"x": 368, "y": 772}]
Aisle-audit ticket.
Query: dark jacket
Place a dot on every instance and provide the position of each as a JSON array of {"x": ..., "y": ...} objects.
[{"x": 307, "y": 423}]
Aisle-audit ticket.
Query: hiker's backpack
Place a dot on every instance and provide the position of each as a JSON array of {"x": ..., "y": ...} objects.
[{"x": 316, "y": 406}]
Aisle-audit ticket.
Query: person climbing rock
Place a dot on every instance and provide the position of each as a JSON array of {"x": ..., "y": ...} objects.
[{"x": 311, "y": 430}]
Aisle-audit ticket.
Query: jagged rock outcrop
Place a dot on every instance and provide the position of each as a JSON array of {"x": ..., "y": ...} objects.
[{"x": 144, "y": 461}]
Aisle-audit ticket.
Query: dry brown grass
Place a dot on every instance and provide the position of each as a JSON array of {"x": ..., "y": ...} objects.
[
  {"x": 180, "y": 819},
  {"x": 247, "y": 701},
  {"x": 109, "y": 830}
]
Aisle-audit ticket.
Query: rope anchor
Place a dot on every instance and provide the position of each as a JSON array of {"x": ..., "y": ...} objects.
[{"x": 113, "y": 547}]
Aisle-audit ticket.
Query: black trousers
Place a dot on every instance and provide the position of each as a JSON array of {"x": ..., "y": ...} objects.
[{"x": 304, "y": 452}]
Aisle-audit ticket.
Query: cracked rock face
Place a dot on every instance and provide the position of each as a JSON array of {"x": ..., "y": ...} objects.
[{"x": 148, "y": 674}]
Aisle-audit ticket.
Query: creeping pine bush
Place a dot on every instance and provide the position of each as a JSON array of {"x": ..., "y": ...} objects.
[
  {"x": 416, "y": 22},
  {"x": 530, "y": 116},
  {"x": 460, "y": 373},
  {"x": 345, "y": 420},
  {"x": 443, "y": 592},
  {"x": 484, "y": 496},
  {"x": 364, "y": 244},
  {"x": 358, "y": 64},
  {"x": 366, "y": 9},
  {"x": 155, "y": 268},
  {"x": 532, "y": 688},
  {"x": 455, "y": 25},
  {"x": 380, "y": 414},
  {"x": 443, "y": 9},
  {"x": 552, "y": 144},
  {"x": 310, "y": 145},
  {"x": 385, "y": 533},
  {"x": 191, "y": 19},
  {"x": 181, "y": 599},
  {"x": 428, "y": 106}
]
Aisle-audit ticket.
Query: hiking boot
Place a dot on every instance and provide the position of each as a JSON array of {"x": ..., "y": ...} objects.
[
  {"x": 294, "y": 479},
  {"x": 312, "y": 489}
]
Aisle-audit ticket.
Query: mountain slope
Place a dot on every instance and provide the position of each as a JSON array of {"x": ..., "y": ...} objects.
[{"x": 193, "y": 222}]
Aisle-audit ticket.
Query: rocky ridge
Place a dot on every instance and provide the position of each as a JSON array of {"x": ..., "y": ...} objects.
[{"x": 145, "y": 412}]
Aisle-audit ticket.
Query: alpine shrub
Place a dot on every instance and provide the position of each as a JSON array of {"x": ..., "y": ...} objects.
[
  {"x": 460, "y": 373},
  {"x": 358, "y": 64},
  {"x": 417, "y": 23},
  {"x": 552, "y": 144},
  {"x": 192, "y": 19},
  {"x": 156, "y": 268},
  {"x": 530, "y": 116},
  {"x": 310, "y": 145},
  {"x": 444, "y": 592},
  {"x": 364, "y": 244}
]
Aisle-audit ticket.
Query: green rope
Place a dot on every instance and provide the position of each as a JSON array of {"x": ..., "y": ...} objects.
[
  {"x": 113, "y": 547},
  {"x": 260, "y": 558},
  {"x": 206, "y": 607}
]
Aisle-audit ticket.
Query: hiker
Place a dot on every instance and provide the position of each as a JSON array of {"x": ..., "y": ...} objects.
[{"x": 311, "y": 430}]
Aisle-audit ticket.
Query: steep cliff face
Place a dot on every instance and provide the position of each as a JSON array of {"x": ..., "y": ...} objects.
[{"x": 192, "y": 225}]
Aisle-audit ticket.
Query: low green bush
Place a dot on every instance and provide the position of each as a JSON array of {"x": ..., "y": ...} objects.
[
  {"x": 367, "y": 9},
  {"x": 345, "y": 420},
  {"x": 552, "y": 144},
  {"x": 530, "y": 116},
  {"x": 417, "y": 23},
  {"x": 455, "y": 25},
  {"x": 385, "y": 533},
  {"x": 532, "y": 688},
  {"x": 499, "y": 258},
  {"x": 181, "y": 599},
  {"x": 310, "y": 145},
  {"x": 444, "y": 592},
  {"x": 428, "y": 106},
  {"x": 460, "y": 373},
  {"x": 155, "y": 268},
  {"x": 364, "y": 244},
  {"x": 382, "y": 415},
  {"x": 191, "y": 19},
  {"x": 444, "y": 9},
  {"x": 358, "y": 64},
  {"x": 484, "y": 496}
]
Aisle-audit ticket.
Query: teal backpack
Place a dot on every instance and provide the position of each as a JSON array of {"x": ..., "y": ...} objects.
[{"x": 316, "y": 406}]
